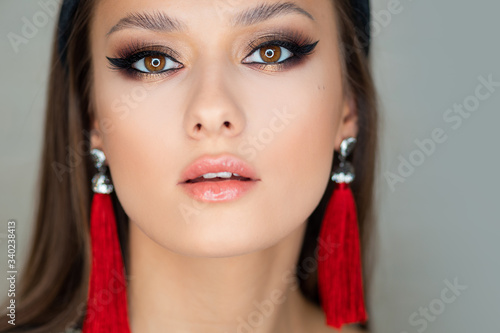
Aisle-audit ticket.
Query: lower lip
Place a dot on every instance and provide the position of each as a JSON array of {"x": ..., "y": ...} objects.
[{"x": 224, "y": 190}]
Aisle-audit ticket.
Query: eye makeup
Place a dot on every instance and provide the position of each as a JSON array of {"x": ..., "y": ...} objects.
[
  {"x": 297, "y": 43},
  {"x": 294, "y": 41},
  {"x": 137, "y": 50}
]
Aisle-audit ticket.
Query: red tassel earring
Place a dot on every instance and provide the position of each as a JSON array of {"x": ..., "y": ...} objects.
[
  {"x": 107, "y": 296},
  {"x": 339, "y": 258}
]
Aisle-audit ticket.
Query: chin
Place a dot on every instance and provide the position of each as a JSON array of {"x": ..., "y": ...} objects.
[{"x": 227, "y": 237}]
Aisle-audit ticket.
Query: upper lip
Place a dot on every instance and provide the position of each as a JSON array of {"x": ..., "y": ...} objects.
[{"x": 221, "y": 163}]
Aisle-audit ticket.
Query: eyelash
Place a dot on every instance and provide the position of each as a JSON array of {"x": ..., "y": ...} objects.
[
  {"x": 299, "y": 46},
  {"x": 137, "y": 51},
  {"x": 298, "y": 53}
]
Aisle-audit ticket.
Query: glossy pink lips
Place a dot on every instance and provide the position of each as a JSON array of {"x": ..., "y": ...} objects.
[{"x": 218, "y": 189}]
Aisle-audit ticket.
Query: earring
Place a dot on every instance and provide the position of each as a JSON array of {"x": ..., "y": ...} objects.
[
  {"x": 339, "y": 260},
  {"x": 107, "y": 295}
]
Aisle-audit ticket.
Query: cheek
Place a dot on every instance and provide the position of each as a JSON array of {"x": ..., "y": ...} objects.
[
  {"x": 298, "y": 158},
  {"x": 142, "y": 144}
]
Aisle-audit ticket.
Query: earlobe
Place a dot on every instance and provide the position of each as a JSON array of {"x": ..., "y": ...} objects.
[{"x": 348, "y": 126}]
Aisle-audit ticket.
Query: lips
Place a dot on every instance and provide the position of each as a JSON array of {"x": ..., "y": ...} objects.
[
  {"x": 219, "y": 178},
  {"x": 212, "y": 177},
  {"x": 239, "y": 170}
]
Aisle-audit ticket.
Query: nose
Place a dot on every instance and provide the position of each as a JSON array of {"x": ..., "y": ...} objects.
[{"x": 213, "y": 109}]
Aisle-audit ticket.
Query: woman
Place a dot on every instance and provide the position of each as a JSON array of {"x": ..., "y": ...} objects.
[{"x": 215, "y": 124}]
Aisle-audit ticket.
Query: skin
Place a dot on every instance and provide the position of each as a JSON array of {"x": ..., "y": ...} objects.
[{"x": 203, "y": 267}]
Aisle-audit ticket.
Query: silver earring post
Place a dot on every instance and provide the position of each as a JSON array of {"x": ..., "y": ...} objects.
[
  {"x": 100, "y": 182},
  {"x": 344, "y": 173}
]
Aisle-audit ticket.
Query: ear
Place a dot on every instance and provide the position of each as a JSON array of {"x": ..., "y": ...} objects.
[
  {"x": 348, "y": 126},
  {"x": 96, "y": 139}
]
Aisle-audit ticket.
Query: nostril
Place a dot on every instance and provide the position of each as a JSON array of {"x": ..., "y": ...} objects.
[{"x": 226, "y": 123}]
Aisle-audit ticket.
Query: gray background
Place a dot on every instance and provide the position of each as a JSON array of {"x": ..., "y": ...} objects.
[{"x": 439, "y": 225}]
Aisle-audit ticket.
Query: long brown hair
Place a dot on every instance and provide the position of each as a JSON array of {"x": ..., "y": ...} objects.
[{"x": 53, "y": 287}]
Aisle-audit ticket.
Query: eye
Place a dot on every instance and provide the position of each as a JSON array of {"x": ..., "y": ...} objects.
[
  {"x": 154, "y": 63},
  {"x": 143, "y": 63},
  {"x": 269, "y": 54}
]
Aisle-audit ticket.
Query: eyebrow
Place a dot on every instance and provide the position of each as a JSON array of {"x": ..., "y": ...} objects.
[{"x": 160, "y": 21}]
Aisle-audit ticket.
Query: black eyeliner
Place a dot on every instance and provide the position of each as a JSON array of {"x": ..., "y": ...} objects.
[
  {"x": 294, "y": 41},
  {"x": 299, "y": 49},
  {"x": 127, "y": 62},
  {"x": 137, "y": 50},
  {"x": 296, "y": 49}
]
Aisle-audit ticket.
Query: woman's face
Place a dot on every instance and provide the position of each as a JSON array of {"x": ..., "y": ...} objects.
[{"x": 201, "y": 85}]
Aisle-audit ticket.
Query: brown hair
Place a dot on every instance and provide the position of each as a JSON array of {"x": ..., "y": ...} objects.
[
  {"x": 53, "y": 288},
  {"x": 358, "y": 82}
]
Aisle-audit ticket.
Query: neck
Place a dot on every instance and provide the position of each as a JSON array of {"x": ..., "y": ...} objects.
[{"x": 255, "y": 292}]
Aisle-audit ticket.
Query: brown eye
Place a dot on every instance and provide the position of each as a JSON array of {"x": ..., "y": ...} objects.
[
  {"x": 270, "y": 53},
  {"x": 154, "y": 63}
]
